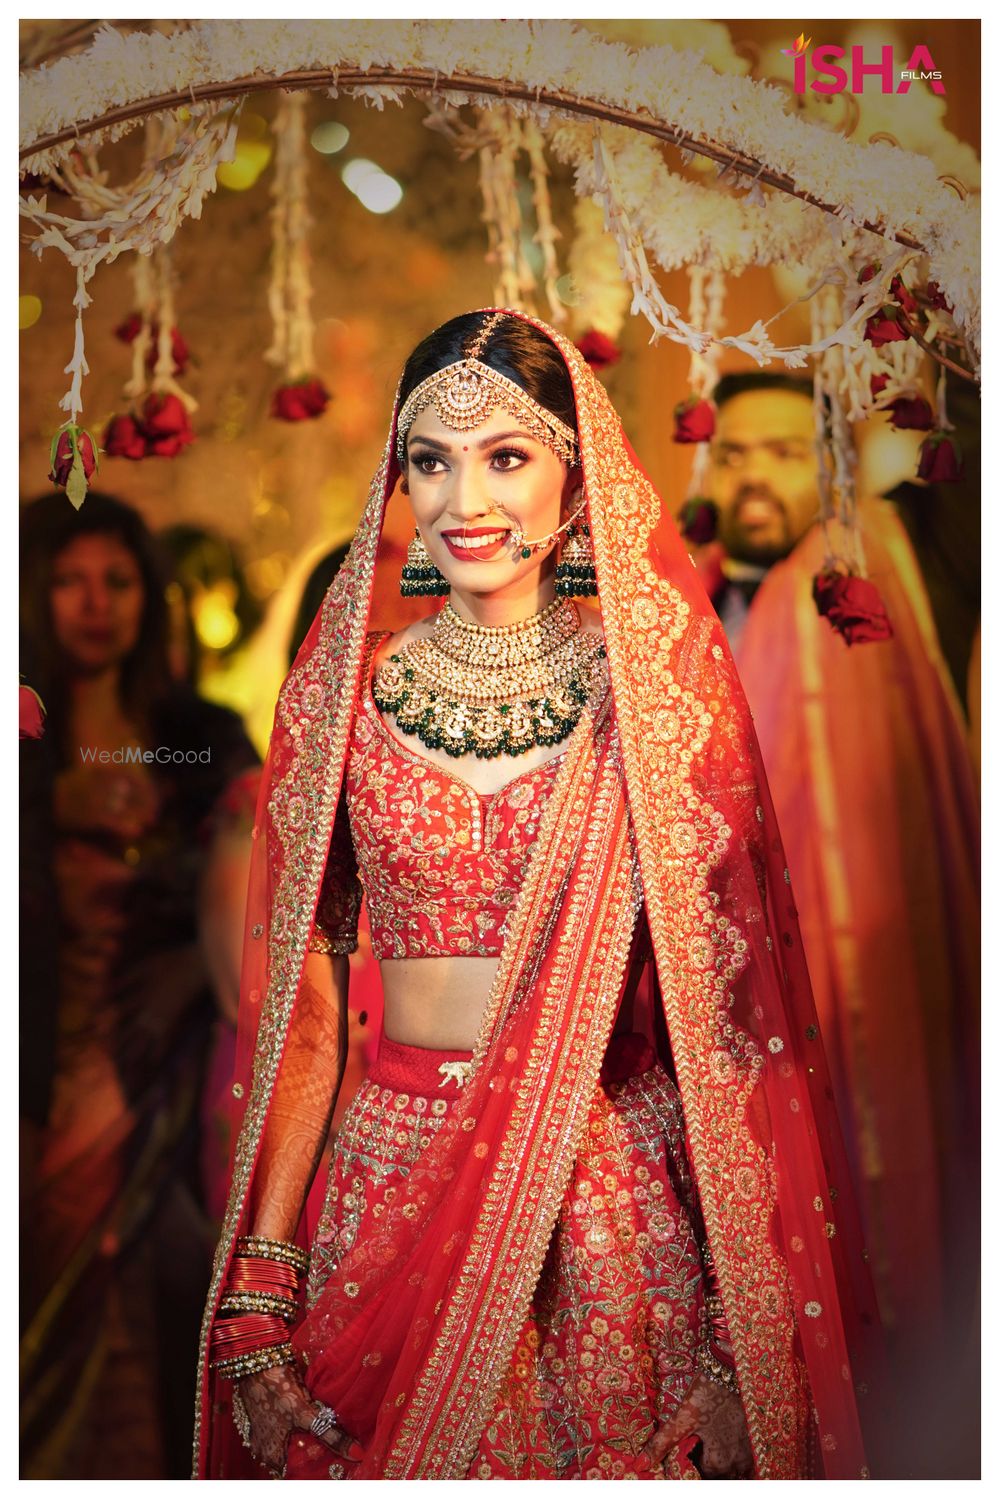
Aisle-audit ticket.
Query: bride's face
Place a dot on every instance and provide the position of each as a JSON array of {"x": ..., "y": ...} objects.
[{"x": 469, "y": 490}]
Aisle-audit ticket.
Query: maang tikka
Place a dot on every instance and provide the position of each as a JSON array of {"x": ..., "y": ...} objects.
[{"x": 466, "y": 393}]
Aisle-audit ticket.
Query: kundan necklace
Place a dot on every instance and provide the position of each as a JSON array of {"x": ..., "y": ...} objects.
[{"x": 492, "y": 690}]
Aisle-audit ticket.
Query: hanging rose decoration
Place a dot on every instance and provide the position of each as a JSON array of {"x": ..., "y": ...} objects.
[
  {"x": 940, "y": 459},
  {"x": 694, "y": 420},
  {"x": 158, "y": 421},
  {"x": 699, "y": 520},
  {"x": 852, "y": 605},
  {"x": 598, "y": 350},
  {"x": 300, "y": 400},
  {"x": 124, "y": 438},
  {"x": 885, "y": 327},
  {"x": 301, "y": 396},
  {"x": 74, "y": 460},
  {"x": 183, "y": 152},
  {"x": 165, "y": 424},
  {"x": 911, "y": 414},
  {"x": 842, "y": 592},
  {"x": 30, "y": 713},
  {"x": 129, "y": 331}
]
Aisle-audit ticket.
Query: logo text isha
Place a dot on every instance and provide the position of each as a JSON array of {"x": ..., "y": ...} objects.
[{"x": 833, "y": 79}]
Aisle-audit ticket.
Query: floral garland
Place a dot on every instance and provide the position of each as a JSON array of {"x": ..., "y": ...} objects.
[
  {"x": 170, "y": 186},
  {"x": 157, "y": 421},
  {"x": 694, "y": 418},
  {"x": 301, "y": 396},
  {"x": 738, "y": 114},
  {"x": 600, "y": 298}
]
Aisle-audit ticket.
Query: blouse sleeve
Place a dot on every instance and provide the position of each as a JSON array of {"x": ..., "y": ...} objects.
[{"x": 335, "y": 929}]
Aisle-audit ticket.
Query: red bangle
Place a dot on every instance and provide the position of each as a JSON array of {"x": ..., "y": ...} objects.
[{"x": 247, "y": 1332}]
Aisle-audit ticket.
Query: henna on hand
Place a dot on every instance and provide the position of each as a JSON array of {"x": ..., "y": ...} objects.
[
  {"x": 278, "y": 1403},
  {"x": 302, "y": 1106},
  {"x": 716, "y": 1415}
]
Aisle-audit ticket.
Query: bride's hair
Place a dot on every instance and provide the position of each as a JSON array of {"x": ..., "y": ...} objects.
[{"x": 513, "y": 348}]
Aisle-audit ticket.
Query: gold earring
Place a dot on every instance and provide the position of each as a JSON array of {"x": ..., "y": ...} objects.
[{"x": 420, "y": 576}]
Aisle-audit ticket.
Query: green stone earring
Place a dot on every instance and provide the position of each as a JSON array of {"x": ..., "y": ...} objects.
[
  {"x": 575, "y": 574},
  {"x": 420, "y": 576}
]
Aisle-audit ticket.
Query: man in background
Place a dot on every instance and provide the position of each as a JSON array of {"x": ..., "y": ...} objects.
[{"x": 867, "y": 756}]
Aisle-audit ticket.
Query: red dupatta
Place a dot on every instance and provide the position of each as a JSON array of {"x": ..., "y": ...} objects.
[{"x": 661, "y": 797}]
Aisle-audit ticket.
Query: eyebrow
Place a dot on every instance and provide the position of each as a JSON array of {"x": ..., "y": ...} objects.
[{"x": 486, "y": 442}]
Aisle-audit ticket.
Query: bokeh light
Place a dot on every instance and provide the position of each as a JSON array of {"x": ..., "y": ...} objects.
[
  {"x": 253, "y": 152},
  {"x": 330, "y": 137},
  {"x": 379, "y": 192},
  {"x": 29, "y": 310},
  {"x": 215, "y": 621}
]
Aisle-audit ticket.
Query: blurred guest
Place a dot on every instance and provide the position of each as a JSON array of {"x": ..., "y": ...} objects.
[
  {"x": 116, "y": 1240},
  {"x": 865, "y": 748}
]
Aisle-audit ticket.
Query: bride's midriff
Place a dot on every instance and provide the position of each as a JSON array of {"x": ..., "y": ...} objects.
[{"x": 436, "y": 1002}]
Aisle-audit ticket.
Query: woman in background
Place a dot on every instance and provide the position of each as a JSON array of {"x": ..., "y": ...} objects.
[{"x": 114, "y": 1235}]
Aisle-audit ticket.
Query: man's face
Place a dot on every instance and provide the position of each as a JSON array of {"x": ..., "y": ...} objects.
[{"x": 763, "y": 474}]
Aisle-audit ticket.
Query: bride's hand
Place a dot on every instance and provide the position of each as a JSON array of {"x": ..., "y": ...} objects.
[
  {"x": 714, "y": 1414},
  {"x": 278, "y": 1403}
]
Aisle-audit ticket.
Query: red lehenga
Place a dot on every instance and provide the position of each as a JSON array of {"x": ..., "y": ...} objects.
[{"x": 526, "y": 1300}]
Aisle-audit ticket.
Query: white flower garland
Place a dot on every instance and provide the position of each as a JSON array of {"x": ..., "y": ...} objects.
[
  {"x": 290, "y": 290},
  {"x": 600, "y": 297},
  {"x": 673, "y": 86},
  {"x": 705, "y": 308},
  {"x": 171, "y": 185}
]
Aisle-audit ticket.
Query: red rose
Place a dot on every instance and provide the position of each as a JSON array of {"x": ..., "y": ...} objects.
[
  {"x": 883, "y": 328},
  {"x": 853, "y": 606},
  {"x": 166, "y": 425},
  {"x": 124, "y": 438},
  {"x": 870, "y": 271},
  {"x": 911, "y": 414},
  {"x": 699, "y": 520},
  {"x": 937, "y": 298},
  {"x": 879, "y": 383},
  {"x": 903, "y": 295},
  {"x": 300, "y": 400},
  {"x": 30, "y": 714},
  {"x": 128, "y": 332},
  {"x": 694, "y": 420},
  {"x": 171, "y": 445},
  {"x": 940, "y": 460},
  {"x": 71, "y": 442},
  {"x": 178, "y": 347},
  {"x": 599, "y": 350}
]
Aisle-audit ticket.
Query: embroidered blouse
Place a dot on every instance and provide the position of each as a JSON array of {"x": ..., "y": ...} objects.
[{"x": 441, "y": 864}]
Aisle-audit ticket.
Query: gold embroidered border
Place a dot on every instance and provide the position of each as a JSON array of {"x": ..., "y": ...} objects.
[
  {"x": 315, "y": 711},
  {"x": 447, "y": 1412},
  {"x": 665, "y": 730}
]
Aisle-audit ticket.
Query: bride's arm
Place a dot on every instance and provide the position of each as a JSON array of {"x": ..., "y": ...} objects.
[{"x": 304, "y": 1098}]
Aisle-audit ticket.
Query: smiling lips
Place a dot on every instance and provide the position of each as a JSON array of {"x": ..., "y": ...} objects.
[{"x": 477, "y": 544}]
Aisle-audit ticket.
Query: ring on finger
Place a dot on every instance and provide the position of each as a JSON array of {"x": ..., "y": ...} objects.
[{"x": 324, "y": 1420}]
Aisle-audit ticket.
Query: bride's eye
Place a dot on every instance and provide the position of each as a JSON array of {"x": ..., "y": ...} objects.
[
  {"x": 508, "y": 459},
  {"x": 424, "y": 462}
]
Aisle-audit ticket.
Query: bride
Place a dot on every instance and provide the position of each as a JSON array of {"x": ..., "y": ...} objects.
[{"x": 588, "y": 1215}]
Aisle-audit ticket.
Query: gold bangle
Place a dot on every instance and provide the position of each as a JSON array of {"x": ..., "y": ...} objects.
[
  {"x": 259, "y": 1301},
  {"x": 254, "y": 1363},
  {"x": 281, "y": 1250}
]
